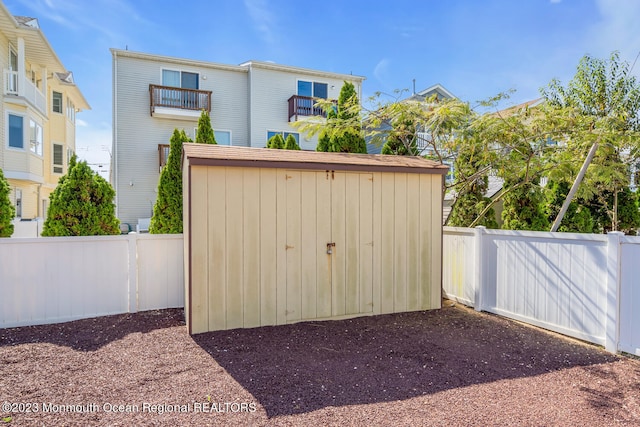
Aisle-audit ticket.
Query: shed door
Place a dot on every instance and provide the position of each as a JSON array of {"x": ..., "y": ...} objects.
[{"x": 329, "y": 210}]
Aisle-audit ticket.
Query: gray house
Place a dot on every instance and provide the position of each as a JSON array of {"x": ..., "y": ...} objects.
[{"x": 248, "y": 103}]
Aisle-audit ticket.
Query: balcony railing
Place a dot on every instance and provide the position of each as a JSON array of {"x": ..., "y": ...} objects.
[
  {"x": 304, "y": 106},
  {"x": 179, "y": 98},
  {"x": 30, "y": 92}
]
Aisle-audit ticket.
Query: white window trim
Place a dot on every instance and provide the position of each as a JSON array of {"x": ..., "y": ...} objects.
[
  {"x": 195, "y": 132},
  {"x": 71, "y": 110},
  {"x": 54, "y": 143},
  {"x": 312, "y": 82},
  {"x": 281, "y": 132},
  {"x": 25, "y": 118},
  {"x": 230, "y": 135},
  {"x": 61, "y": 103},
  {"x": 32, "y": 119},
  {"x": 180, "y": 70}
]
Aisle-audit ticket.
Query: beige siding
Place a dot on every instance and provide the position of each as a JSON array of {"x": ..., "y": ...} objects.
[
  {"x": 259, "y": 245},
  {"x": 137, "y": 134}
]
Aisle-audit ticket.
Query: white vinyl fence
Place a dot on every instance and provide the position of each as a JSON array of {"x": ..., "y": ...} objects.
[
  {"x": 581, "y": 285},
  {"x": 57, "y": 279}
]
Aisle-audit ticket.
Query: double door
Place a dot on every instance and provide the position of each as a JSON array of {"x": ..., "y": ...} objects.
[{"x": 329, "y": 244}]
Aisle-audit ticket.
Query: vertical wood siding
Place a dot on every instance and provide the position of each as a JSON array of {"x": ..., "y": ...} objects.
[{"x": 259, "y": 245}]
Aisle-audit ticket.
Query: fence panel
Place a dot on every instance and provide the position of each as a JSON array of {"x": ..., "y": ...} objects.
[
  {"x": 58, "y": 279},
  {"x": 629, "y": 325},
  {"x": 458, "y": 264},
  {"x": 160, "y": 271},
  {"x": 554, "y": 280},
  {"x": 48, "y": 280}
]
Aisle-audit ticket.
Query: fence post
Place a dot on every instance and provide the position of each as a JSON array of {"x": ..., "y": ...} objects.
[
  {"x": 478, "y": 267},
  {"x": 133, "y": 272},
  {"x": 612, "y": 316}
]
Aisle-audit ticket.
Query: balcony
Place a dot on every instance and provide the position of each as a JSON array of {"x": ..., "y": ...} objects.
[
  {"x": 29, "y": 92},
  {"x": 178, "y": 103},
  {"x": 304, "y": 106}
]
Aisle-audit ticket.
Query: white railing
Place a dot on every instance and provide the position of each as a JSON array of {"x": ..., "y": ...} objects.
[
  {"x": 30, "y": 92},
  {"x": 57, "y": 279},
  {"x": 581, "y": 285}
]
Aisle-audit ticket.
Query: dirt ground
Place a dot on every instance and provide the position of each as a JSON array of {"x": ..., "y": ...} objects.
[{"x": 443, "y": 367}]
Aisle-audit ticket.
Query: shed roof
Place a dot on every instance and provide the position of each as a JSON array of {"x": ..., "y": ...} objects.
[{"x": 218, "y": 155}]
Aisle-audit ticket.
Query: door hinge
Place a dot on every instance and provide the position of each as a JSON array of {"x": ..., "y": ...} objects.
[
  {"x": 288, "y": 177},
  {"x": 286, "y": 247}
]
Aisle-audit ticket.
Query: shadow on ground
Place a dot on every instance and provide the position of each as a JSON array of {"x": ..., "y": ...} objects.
[
  {"x": 307, "y": 366},
  {"x": 92, "y": 334}
]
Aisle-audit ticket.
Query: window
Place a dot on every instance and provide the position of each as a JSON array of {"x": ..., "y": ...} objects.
[
  {"x": 35, "y": 138},
  {"x": 71, "y": 111},
  {"x": 163, "y": 154},
  {"x": 16, "y": 131},
  {"x": 69, "y": 155},
  {"x": 56, "y": 103},
  {"x": 58, "y": 158},
  {"x": 223, "y": 137},
  {"x": 181, "y": 79},
  {"x": 312, "y": 89},
  {"x": 450, "y": 177},
  {"x": 284, "y": 135},
  {"x": 12, "y": 77}
]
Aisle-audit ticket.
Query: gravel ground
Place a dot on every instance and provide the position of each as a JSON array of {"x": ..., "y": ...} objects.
[{"x": 443, "y": 367}]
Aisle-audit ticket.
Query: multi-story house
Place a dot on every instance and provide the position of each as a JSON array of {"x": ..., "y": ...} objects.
[
  {"x": 248, "y": 103},
  {"x": 37, "y": 116}
]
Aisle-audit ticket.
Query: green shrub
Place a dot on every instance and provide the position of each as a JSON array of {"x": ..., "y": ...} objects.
[
  {"x": 167, "y": 211},
  {"x": 81, "y": 204},
  {"x": 7, "y": 211}
]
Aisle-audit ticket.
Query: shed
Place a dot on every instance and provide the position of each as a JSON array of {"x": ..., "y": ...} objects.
[{"x": 278, "y": 236}]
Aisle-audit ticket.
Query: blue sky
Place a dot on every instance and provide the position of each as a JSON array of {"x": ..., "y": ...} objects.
[{"x": 474, "y": 48}]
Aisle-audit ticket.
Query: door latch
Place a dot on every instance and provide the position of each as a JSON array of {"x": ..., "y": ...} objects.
[{"x": 330, "y": 247}]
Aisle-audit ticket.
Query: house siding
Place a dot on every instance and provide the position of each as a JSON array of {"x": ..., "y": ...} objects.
[
  {"x": 137, "y": 133},
  {"x": 248, "y": 100},
  {"x": 270, "y": 92},
  {"x": 25, "y": 170}
]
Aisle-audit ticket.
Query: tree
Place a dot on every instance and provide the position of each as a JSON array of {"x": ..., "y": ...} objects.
[
  {"x": 470, "y": 199},
  {"x": 276, "y": 142},
  {"x": 167, "y": 211},
  {"x": 605, "y": 97},
  {"x": 343, "y": 127},
  {"x": 205, "y": 134},
  {"x": 523, "y": 208},
  {"x": 402, "y": 142},
  {"x": 81, "y": 204},
  {"x": 290, "y": 143},
  {"x": 578, "y": 218},
  {"x": 7, "y": 211},
  {"x": 323, "y": 141}
]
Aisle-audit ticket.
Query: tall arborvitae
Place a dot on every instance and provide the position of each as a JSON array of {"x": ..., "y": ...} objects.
[
  {"x": 205, "y": 134},
  {"x": 167, "y": 212}
]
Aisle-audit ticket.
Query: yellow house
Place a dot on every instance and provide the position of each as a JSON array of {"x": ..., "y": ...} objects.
[{"x": 38, "y": 114}]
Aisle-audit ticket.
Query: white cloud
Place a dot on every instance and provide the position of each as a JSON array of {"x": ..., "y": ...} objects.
[
  {"x": 381, "y": 70},
  {"x": 617, "y": 29},
  {"x": 81, "y": 123},
  {"x": 264, "y": 20},
  {"x": 102, "y": 16}
]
